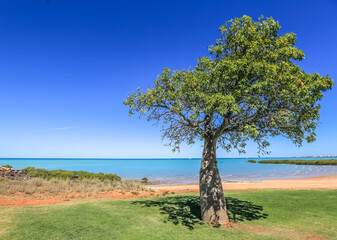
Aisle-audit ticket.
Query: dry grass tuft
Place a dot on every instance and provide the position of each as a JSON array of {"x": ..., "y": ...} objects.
[{"x": 66, "y": 187}]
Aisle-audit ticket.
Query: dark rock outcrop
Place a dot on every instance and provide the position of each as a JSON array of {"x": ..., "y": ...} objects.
[{"x": 13, "y": 174}]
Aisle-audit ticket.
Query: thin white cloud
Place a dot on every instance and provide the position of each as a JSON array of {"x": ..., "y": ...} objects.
[{"x": 59, "y": 129}]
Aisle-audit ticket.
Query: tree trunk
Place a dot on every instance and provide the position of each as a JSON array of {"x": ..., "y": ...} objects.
[{"x": 212, "y": 200}]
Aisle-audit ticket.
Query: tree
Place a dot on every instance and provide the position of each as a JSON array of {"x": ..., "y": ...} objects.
[
  {"x": 145, "y": 179},
  {"x": 250, "y": 87}
]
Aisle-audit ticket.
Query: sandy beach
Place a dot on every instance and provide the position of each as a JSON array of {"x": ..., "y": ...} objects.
[{"x": 324, "y": 182}]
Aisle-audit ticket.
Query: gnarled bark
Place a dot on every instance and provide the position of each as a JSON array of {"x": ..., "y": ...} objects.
[{"x": 212, "y": 200}]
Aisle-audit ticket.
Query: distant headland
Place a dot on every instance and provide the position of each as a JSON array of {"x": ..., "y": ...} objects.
[{"x": 315, "y": 157}]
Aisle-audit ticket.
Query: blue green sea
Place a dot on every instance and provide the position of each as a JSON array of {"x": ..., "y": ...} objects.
[{"x": 176, "y": 170}]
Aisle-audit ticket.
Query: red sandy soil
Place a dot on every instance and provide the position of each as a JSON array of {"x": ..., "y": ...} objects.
[{"x": 22, "y": 199}]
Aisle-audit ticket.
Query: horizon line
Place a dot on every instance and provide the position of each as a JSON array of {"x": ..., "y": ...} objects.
[{"x": 154, "y": 158}]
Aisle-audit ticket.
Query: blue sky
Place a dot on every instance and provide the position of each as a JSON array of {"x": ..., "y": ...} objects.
[{"x": 66, "y": 67}]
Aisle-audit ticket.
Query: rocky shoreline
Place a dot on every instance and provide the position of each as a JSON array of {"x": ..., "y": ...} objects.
[{"x": 13, "y": 174}]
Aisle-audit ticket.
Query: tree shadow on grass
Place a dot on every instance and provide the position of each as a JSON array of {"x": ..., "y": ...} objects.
[{"x": 186, "y": 209}]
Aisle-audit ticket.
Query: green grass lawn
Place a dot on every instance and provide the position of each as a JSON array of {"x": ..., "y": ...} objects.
[{"x": 278, "y": 214}]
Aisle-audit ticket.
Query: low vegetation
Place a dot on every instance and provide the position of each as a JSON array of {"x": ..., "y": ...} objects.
[
  {"x": 301, "y": 162},
  {"x": 7, "y": 166},
  {"x": 68, "y": 186},
  {"x": 145, "y": 179},
  {"x": 278, "y": 214},
  {"x": 63, "y": 174},
  {"x": 251, "y": 161}
]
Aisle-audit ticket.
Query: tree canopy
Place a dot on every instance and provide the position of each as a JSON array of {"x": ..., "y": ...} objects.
[{"x": 249, "y": 87}]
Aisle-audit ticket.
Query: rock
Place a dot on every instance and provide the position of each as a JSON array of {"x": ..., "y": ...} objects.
[{"x": 13, "y": 174}]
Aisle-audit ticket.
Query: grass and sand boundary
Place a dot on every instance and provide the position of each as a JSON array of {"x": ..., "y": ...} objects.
[
  {"x": 96, "y": 209},
  {"x": 75, "y": 188},
  {"x": 48, "y": 190}
]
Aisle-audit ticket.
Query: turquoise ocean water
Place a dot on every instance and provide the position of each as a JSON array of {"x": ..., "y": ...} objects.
[{"x": 176, "y": 170}]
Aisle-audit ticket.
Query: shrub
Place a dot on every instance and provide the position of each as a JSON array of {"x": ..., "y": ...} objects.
[
  {"x": 63, "y": 174},
  {"x": 7, "y": 166},
  {"x": 251, "y": 161},
  {"x": 145, "y": 179},
  {"x": 165, "y": 193}
]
